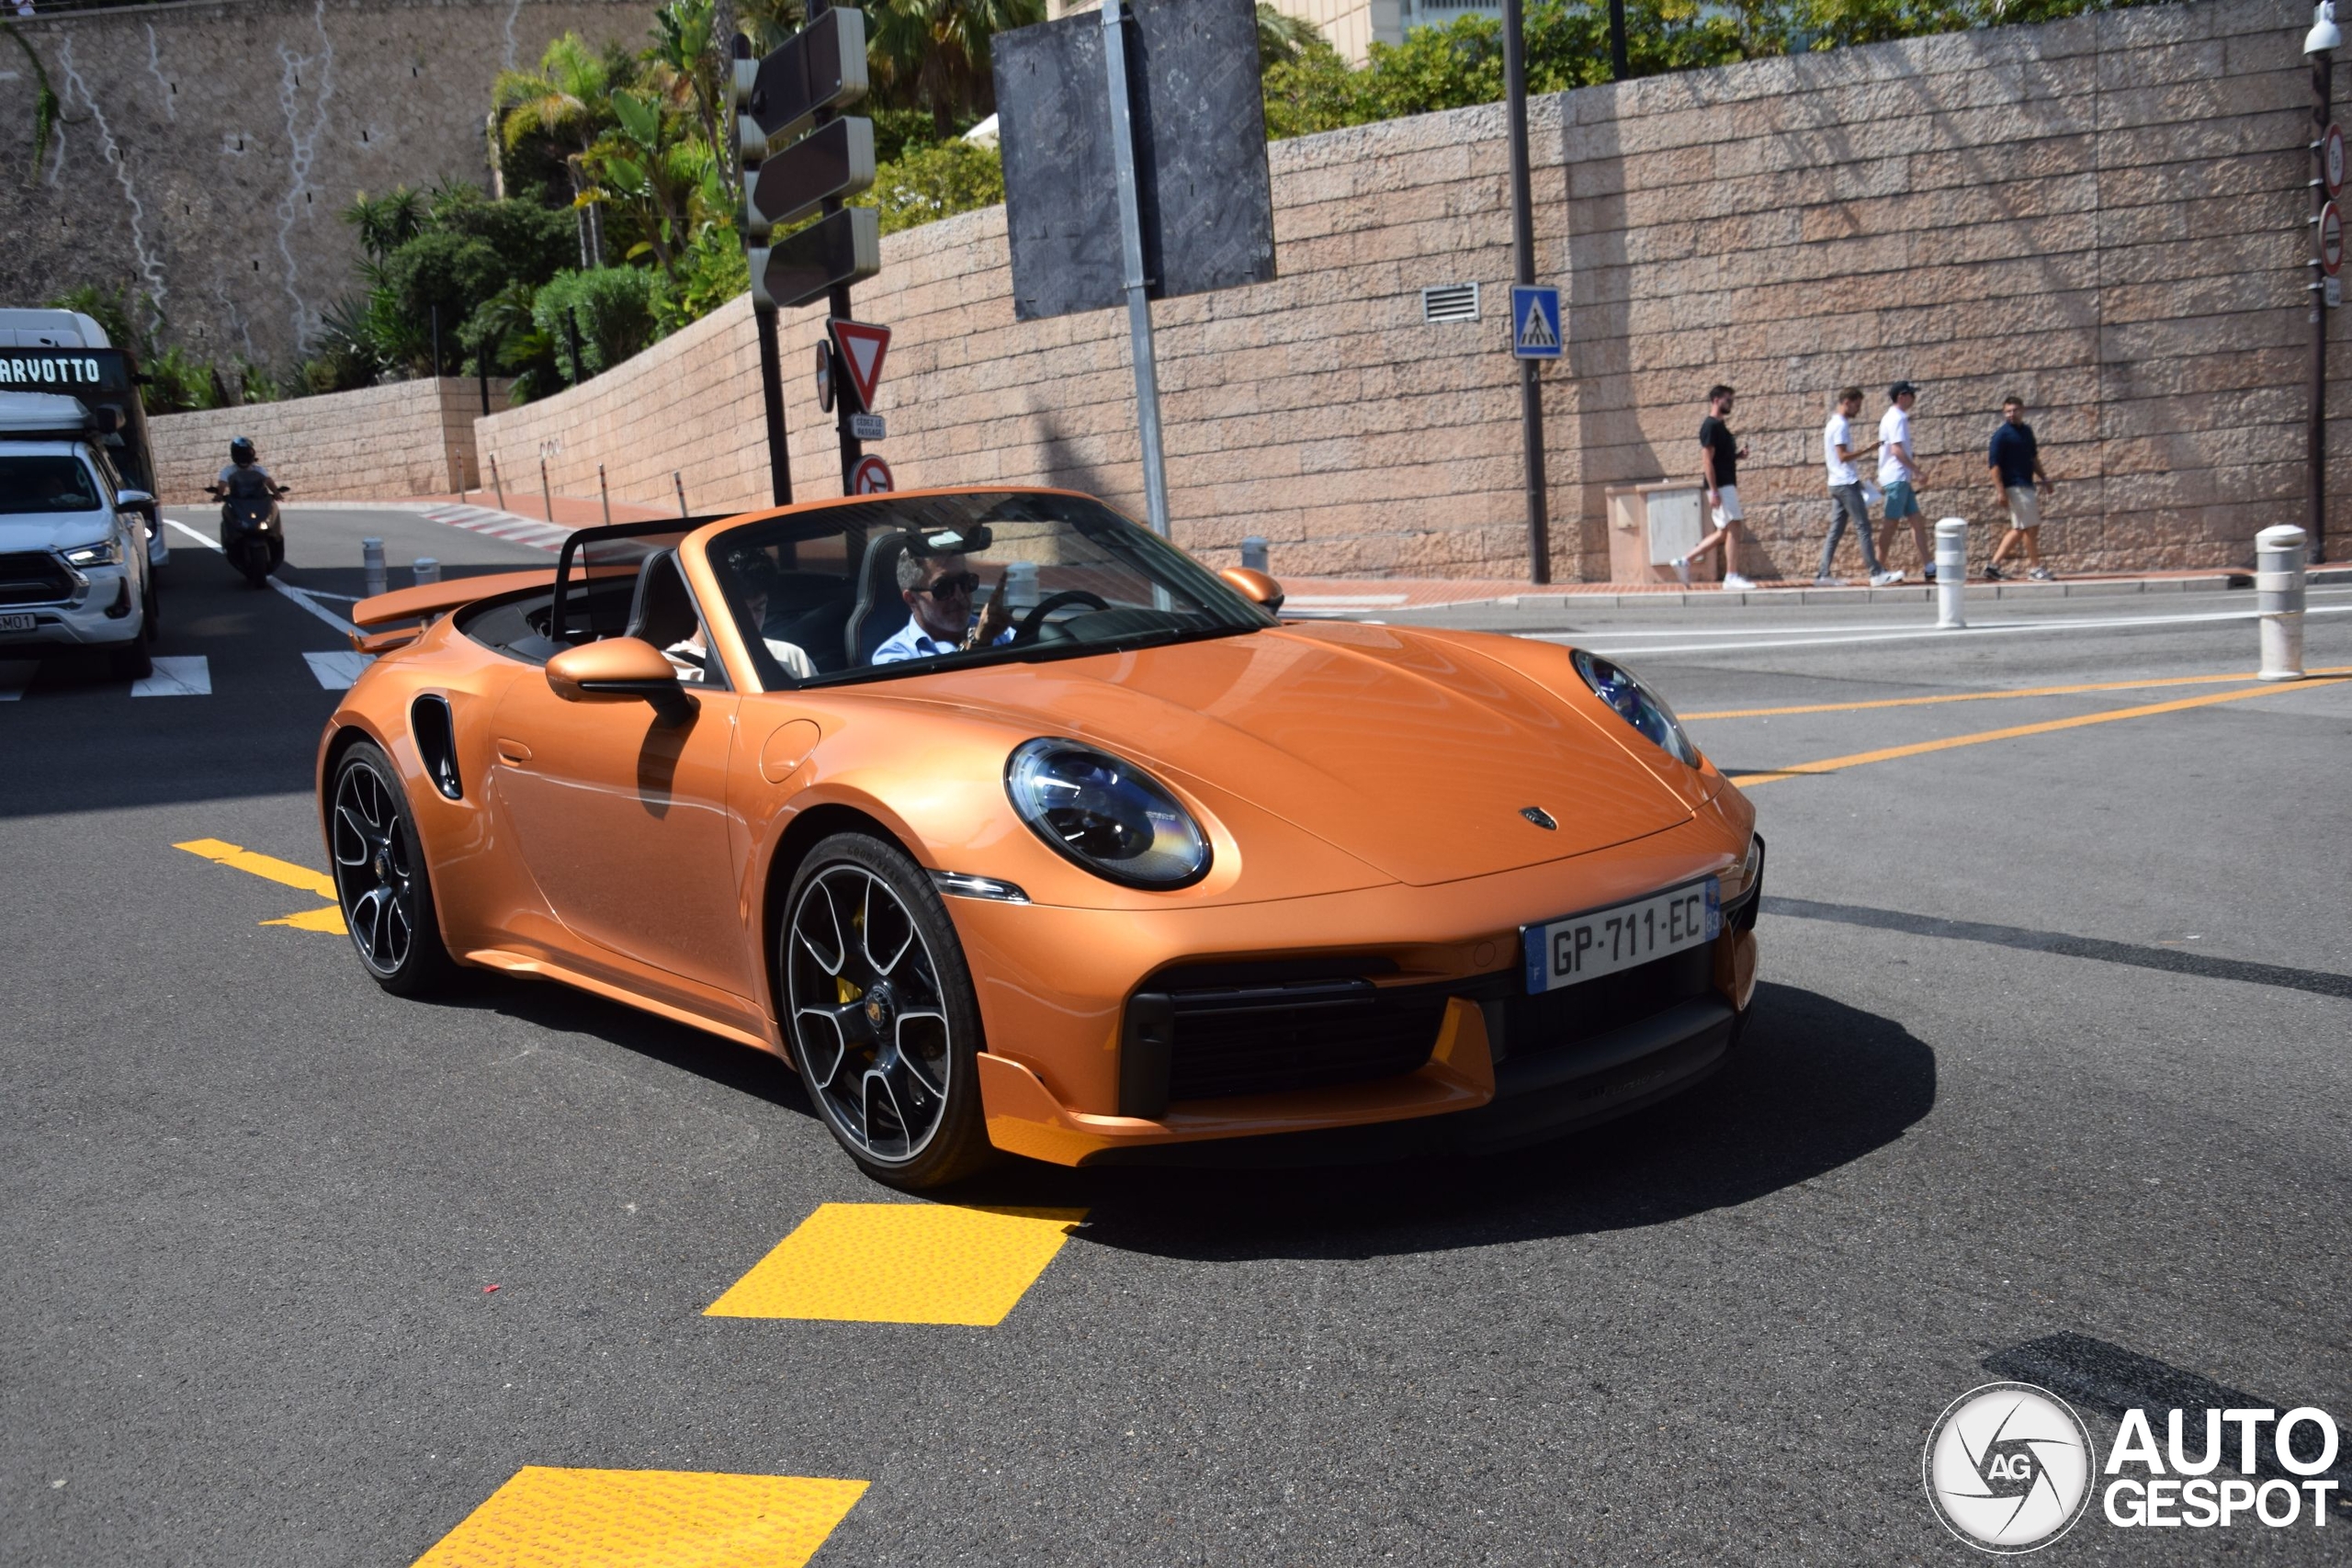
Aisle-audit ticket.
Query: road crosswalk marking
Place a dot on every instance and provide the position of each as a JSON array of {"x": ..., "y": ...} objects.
[
  {"x": 635, "y": 1518},
  {"x": 505, "y": 526},
  {"x": 902, "y": 1263},
  {"x": 176, "y": 675},
  {"x": 336, "y": 672}
]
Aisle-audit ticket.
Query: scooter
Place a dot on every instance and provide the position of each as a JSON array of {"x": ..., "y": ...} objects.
[{"x": 252, "y": 536}]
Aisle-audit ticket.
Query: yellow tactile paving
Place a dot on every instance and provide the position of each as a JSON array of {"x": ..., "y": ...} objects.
[
  {"x": 544, "y": 1517},
  {"x": 902, "y": 1263}
]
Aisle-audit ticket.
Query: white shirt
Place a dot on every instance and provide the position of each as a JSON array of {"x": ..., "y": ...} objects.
[
  {"x": 1837, "y": 433},
  {"x": 910, "y": 642},
  {"x": 1892, "y": 426}
]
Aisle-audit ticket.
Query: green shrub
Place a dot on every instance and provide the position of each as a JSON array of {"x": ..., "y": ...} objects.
[
  {"x": 612, "y": 307},
  {"x": 935, "y": 182}
]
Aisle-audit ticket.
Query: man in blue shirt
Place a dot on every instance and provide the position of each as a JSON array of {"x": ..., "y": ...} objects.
[
  {"x": 2015, "y": 460},
  {"x": 938, "y": 591}
]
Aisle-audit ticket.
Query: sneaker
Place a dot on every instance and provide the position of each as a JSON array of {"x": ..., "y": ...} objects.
[
  {"x": 1827, "y": 582},
  {"x": 1682, "y": 565},
  {"x": 1885, "y": 578},
  {"x": 2043, "y": 574},
  {"x": 1928, "y": 572},
  {"x": 1993, "y": 574},
  {"x": 1733, "y": 582}
]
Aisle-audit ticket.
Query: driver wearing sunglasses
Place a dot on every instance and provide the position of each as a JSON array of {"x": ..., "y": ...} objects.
[{"x": 938, "y": 591}]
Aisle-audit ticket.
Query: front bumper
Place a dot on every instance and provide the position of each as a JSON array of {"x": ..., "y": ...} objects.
[
  {"x": 102, "y": 610},
  {"x": 1475, "y": 1084}
]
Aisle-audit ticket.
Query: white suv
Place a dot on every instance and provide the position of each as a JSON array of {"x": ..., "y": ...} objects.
[{"x": 74, "y": 564}]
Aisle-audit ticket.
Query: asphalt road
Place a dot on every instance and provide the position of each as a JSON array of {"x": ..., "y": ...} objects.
[{"x": 2047, "y": 1081}]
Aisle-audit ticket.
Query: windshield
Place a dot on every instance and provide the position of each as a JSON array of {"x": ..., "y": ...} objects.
[
  {"x": 897, "y": 586},
  {"x": 47, "y": 484}
]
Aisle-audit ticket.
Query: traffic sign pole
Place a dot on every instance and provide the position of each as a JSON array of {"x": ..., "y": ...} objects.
[
  {"x": 1522, "y": 204},
  {"x": 1139, "y": 343}
]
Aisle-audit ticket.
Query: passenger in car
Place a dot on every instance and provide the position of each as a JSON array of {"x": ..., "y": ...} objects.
[
  {"x": 938, "y": 591},
  {"x": 755, "y": 576}
]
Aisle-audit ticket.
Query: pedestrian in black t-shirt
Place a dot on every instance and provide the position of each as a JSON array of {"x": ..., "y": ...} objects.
[
  {"x": 1719, "y": 456},
  {"x": 2018, "y": 478}
]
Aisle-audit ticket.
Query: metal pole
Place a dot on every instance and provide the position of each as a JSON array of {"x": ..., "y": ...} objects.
[
  {"x": 604, "y": 496},
  {"x": 435, "y": 312},
  {"x": 1139, "y": 343},
  {"x": 546, "y": 494},
  {"x": 1618, "y": 68},
  {"x": 2315, "y": 434},
  {"x": 679, "y": 481},
  {"x": 497, "y": 484},
  {"x": 837, "y": 306},
  {"x": 1523, "y": 217},
  {"x": 771, "y": 361}
]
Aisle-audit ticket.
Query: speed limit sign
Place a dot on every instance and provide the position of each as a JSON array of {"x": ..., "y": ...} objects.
[
  {"x": 2331, "y": 239},
  {"x": 2331, "y": 159},
  {"x": 871, "y": 476}
]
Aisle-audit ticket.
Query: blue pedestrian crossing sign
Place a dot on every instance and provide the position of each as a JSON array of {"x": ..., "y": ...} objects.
[{"x": 1535, "y": 322}]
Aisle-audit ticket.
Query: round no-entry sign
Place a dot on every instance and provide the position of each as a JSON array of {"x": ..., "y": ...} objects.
[
  {"x": 2331, "y": 239},
  {"x": 2331, "y": 159},
  {"x": 871, "y": 475}
]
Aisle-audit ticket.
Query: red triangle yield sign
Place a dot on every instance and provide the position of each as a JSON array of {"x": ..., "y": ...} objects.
[{"x": 858, "y": 349}]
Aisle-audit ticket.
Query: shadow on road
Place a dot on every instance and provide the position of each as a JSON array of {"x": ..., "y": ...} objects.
[{"x": 1817, "y": 1085}]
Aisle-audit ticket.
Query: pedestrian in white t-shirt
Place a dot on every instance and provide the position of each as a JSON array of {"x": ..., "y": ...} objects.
[
  {"x": 1898, "y": 470},
  {"x": 1840, "y": 455}
]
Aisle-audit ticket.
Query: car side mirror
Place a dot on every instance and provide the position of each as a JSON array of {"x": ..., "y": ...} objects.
[
  {"x": 1254, "y": 585},
  {"x": 617, "y": 668},
  {"x": 124, "y": 500}
]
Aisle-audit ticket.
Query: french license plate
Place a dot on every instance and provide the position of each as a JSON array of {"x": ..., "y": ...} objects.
[
  {"x": 1601, "y": 941},
  {"x": 18, "y": 622}
]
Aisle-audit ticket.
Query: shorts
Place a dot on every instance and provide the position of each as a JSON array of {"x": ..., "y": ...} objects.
[
  {"x": 1900, "y": 502},
  {"x": 2025, "y": 505},
  {"x": 1727, "y": 505}
]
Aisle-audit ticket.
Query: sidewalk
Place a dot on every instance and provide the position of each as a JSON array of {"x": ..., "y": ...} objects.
[{"x": 527, "y": 524}]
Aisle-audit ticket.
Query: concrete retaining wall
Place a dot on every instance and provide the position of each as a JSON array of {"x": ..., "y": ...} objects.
[{"x": 409, "y": 438}]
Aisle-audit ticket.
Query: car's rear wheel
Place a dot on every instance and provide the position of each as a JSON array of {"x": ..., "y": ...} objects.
[
  {"x": 379, "y": 876},
  {"x": 884, "y": 1024}
]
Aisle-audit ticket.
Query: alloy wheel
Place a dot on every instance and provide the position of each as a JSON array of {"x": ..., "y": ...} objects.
[
  {"x": 869, "y": 1023},
  {"x": 372, "y": 873}
]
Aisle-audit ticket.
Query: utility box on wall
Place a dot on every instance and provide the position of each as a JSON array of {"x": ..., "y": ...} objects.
[{"x": 1649, "y": 525}]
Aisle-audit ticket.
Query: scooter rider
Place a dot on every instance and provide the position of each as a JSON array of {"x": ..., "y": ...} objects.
[{"x": 245, "y": 478}]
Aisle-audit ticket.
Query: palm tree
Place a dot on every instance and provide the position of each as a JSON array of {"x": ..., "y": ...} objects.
[
  {"x": 566, "y": 101},
  {"x": 934, "y": 53},
  {"x": 683, "y": 65}
]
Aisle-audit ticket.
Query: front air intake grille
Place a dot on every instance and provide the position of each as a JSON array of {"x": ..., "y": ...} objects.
[
  {"x": 33, "y": 576},
  {"x": 1555, "y": 1019},
  {"x": 1236, "y": 1032}
]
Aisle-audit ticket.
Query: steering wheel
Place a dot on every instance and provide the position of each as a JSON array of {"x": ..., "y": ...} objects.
[{"x": 1034, "y": 623}]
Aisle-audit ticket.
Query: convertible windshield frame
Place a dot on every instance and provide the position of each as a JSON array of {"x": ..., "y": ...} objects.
[{"x": 1212, "y": 607}]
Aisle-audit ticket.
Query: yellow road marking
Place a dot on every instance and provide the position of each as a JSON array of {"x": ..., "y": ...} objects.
[
  {"x": 222, "y": 853},
  {"x": 902, "y": 1263},
  {"x": 1987, "y": 696},
  {"x": 1835, "y": 765},
  {"x": 546, "y": 1518}
]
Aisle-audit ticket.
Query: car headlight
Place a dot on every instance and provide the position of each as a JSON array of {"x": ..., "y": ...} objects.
[
  {"x": 1637, "y": 706},
  {"x": 1105, "y": 814},
  {"x": 103, "y": 553}
]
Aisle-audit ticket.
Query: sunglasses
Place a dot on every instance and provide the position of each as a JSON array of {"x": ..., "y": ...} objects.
[{"x": 952, "y": 584}]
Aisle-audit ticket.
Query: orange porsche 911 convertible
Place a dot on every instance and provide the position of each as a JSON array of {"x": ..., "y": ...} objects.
[{"x": 1012, "y": 828}]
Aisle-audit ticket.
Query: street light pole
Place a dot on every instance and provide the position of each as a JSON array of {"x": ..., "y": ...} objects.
[
  {"x": 1523, "y": 221},
  {"x": 2318, "y": 43}
]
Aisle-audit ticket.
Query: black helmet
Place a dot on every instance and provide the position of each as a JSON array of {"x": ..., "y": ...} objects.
[{"x": 241, "y": 450}]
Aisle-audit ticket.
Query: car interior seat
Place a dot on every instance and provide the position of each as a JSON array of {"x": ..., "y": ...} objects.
[
  {"x": 662, "y": 613},
  {"x": 881, "y": 609}
]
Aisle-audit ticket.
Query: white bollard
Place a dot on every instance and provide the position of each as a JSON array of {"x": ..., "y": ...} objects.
[
  {"x": 428, "y": 570},
  {"x": 1952, "y": 572},
  {"x": 2278, "y": 600},
  {"x": 371, "y": 557}
]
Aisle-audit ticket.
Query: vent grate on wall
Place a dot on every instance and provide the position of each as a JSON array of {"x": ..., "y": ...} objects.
[{"x": 1450, "y": 302}]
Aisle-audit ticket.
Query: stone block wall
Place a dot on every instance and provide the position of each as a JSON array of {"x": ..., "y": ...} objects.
[
  {"x": 2104, "y": 215},
  {"x": 408, "y": 438},
  {"x": 204, "y": 148}
]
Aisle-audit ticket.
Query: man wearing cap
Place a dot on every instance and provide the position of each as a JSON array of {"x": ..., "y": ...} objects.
[{"x": 1898, "y": 472}]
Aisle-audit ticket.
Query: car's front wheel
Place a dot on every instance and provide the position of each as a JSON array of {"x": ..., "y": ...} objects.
[
  {"x": 379, "y": 876},
  {"x": 884, "y": 1024}
]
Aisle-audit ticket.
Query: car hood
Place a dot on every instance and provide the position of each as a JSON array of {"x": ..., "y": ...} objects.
[
  {"x": 52, "y": 530},
  {"x": 1415, "y": 757}
]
